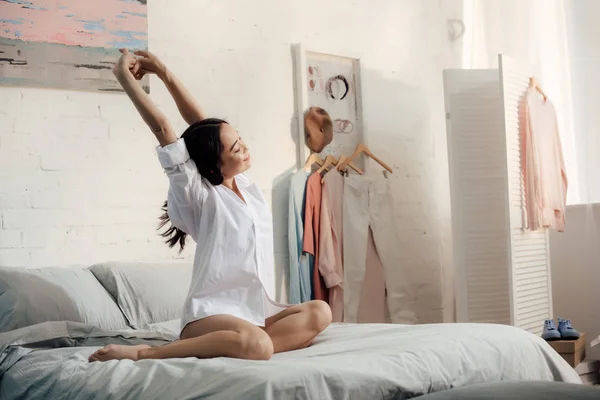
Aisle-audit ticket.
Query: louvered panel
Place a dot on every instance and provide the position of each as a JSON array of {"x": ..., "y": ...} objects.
[
  {"x": 533, "y": 296},
  {"x": 533, "y": 325},
  {"x": 502, "y": 271},
  {"x": 533, "y": 304},
  {"x": 530, "y": 244},
  {"x": 537, "y": 241},
  {"x": 484, "y": 311},
  {"x": 485, "y": 280},
  {"x": 492, "y": 301},
  {"x": 528, "y": 257},
  {"x": 527, "y": 250},
  {"x": 532, "y": 269},
  {"x": 534, "y": 315},
  {"x": 489, "y": 317},
  {"x": 477, "y": 164},
  {"x": 533, "y": 307},
  {"x": 531, "y": 286},
  {"x": 488, "y": 272},
  {"x": 532, "y": 281},
  {"x": 532, "y": 266},
  {"x": 525, "y": 282},
  {"x": 491, "y": 306},
  {"x": 491, "y": 174},
  {"x": 485, "y": 259}
]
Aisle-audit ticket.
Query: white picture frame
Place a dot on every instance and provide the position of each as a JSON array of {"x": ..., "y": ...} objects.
[{"x": 350, "y": 108}]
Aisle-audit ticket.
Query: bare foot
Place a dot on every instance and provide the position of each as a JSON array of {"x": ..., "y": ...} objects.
[{"x": 117, "y": 352}]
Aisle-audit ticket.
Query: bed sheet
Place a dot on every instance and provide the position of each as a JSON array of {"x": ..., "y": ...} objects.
[{"x": 347, "y": 361}]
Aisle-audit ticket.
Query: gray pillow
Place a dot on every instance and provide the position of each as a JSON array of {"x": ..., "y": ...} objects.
[
  {"x": 147, "y": 293},
  {"x": 32, "y": 296}
]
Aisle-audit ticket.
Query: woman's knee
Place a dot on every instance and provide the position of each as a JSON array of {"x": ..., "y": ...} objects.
[
  {"x": 320, "y": 314},
  {"x": 255, "y": 344}
]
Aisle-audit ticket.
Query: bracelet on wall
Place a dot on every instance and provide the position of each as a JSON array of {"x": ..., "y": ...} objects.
[{"x": 343, "y": 126}]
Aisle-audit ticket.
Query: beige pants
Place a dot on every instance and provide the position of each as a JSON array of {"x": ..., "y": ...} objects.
[{"x": 368, "y": 207}]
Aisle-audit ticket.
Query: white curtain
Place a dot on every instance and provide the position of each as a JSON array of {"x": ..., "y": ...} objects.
[{"x": 533, "y": 32}]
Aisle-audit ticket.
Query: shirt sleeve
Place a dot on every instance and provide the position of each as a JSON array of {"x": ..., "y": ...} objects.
[
  {"x": 293, "y": 239},
  {"x": 528, "y": 165},
  {"x": 186, "y": 189},
  {"x": 308, "y": 242}
]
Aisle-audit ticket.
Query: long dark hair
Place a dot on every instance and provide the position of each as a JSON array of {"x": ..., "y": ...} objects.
[{"x": 203, "y": 142}]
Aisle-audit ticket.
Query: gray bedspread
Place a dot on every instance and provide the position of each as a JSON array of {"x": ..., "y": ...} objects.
[{"x": 49, "y": 361}]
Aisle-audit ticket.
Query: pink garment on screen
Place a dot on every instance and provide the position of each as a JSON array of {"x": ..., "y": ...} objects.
[
  {"x": 545, "y": 178},
  {"x": 330, "y": 247},
  {"x": 312, "y": 216}
]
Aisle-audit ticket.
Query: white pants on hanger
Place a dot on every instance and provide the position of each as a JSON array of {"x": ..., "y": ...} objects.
[
  {"x": 372, "y": 307},
  {"x": 368, "y": 204}
]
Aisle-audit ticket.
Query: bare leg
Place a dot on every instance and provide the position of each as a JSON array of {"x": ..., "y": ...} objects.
[
  {"x": 296, "y": 327},
  {"x": 215, "y": 336}
]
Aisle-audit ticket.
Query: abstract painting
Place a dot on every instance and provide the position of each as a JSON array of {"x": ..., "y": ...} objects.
[{"x": 68, "y": 44}]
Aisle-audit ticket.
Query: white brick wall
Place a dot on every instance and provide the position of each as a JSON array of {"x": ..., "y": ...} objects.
[{"x": 79, "y": 179}]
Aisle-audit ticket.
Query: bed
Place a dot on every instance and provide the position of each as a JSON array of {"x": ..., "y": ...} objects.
[{"x": 48, "y": 359}]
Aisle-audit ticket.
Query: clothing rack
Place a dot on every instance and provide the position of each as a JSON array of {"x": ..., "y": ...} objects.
[{"x": 329, "y": 218}]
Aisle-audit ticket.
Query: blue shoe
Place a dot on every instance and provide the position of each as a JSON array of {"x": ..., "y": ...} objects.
[
  {"x": 567, "y": 332},
  {"x": 550, "y": 332}
]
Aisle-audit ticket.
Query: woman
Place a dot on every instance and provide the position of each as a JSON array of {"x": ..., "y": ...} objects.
[{"x": 228, "y": 311}]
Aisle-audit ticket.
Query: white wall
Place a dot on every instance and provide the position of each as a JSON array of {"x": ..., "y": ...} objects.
[
  {"x": 575, "y": 257},
  {"x": 534, "y": 33},
  {"x": 79, "y": 182},
  {"x": 583, "y": 34},
  {"x": 575, "y": 254}
]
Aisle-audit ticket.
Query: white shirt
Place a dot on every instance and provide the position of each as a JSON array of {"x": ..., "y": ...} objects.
[{"x": 233, "y": 266}]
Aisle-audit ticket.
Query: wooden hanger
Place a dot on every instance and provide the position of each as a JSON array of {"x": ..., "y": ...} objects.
[
  {"x": 534, "y": 85},
  {"x": 329, "y": 160},
  {"x": 313, "y": 158},
  {"x": 361, "y": 148},
  {"x": 344, "y": 157}
]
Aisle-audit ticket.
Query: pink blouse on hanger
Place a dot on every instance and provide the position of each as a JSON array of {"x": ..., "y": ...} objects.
[
  {"x": 330, "y": 247},
  {"x": 312, "y": 217},
  {"x": 544, "y": 172}
]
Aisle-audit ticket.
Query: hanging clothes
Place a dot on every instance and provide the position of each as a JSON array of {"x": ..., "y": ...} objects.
[
  {"x": 368, "y": 205},
  {"x": 330, "y": 246},
  {"x": 543, "y": 167},
  {"x": 299, "y": 262},
  {"x": 312, "y": 215}
]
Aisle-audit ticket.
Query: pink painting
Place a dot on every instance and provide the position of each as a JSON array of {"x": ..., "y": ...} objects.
[{"x": 68, "y": 44}]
